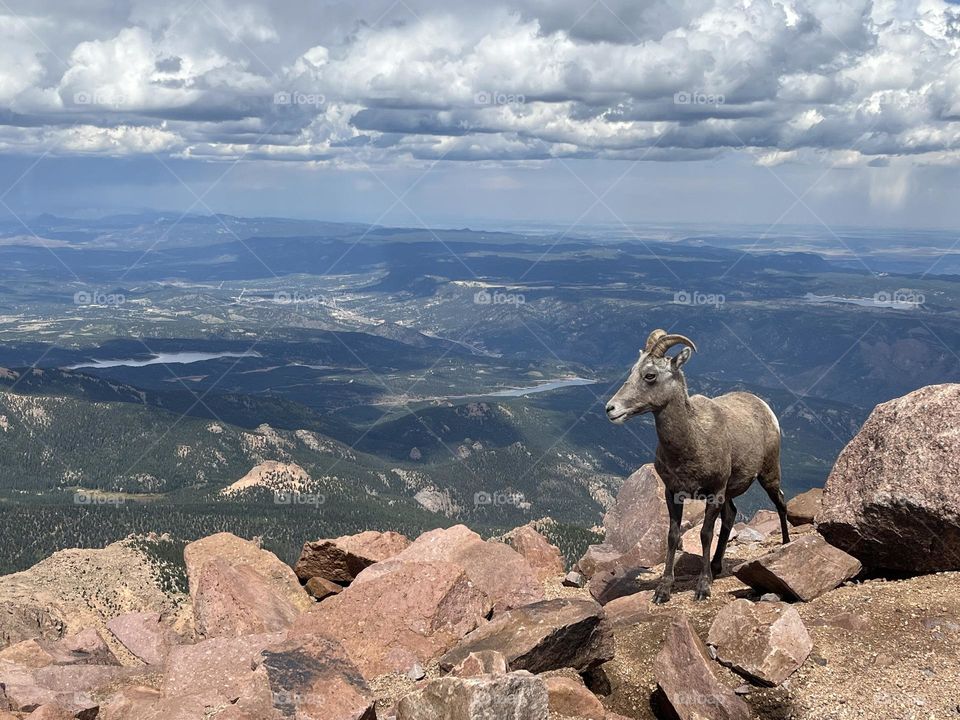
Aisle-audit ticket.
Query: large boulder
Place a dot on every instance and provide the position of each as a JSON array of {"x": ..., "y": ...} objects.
[
  {"x": 764, "y": 641},
  {"x": 495, "y": 568},
  {"x": 569, "y": 697},
  {"x": 637, "y": 524},
  {"x": 84, "y": 648},
  {"x": 145, "y": 635},
  {"x": 545, "y": 559},
  {"x": 687, "y": 685},
  {"x": 410, "y": 615},
  {"x": 802, "y": 509},
  {"x": 240, "y": 589},
  {"x": 340, "y": 560},
  {"x": 893, "y": 497},
  {"x": 547, "y": 635},
  {"x": 74, "y": 687},
  {"x": 804, "y": 568},
  {"x": 514, "y": 696}
]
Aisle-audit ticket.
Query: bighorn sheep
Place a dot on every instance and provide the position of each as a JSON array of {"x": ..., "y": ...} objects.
[{"x": 708, "y": 448}]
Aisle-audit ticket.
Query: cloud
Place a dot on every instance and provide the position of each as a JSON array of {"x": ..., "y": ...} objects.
[{"x": 779, "y": 80}]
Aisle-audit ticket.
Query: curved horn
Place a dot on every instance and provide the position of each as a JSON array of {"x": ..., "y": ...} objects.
[{"x": 659, "y": 342}]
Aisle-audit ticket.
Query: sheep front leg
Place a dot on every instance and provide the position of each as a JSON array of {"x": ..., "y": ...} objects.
[
  {"x": 714, "y": 505},
  {"x": 675, "y": 510}
]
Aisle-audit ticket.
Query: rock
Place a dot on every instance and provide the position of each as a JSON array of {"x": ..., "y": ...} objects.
[
  {"x": 749, "y": 535},
  {"x": 765, "y": 522},
  {"x": 765, "y": 641},
  {"x": 770, "y": 597},
  {"x": 52, "y": 712},
  {"x": 686, "y": 681},
  {"x": 342, "y": 559},
  {"x": 612, "y": 584},
  {"x": 484, "y": 662},
  {"x": 571, "y": 698},
  {"x": 547, "y": 635},
  {"x": 545, "y": 559},
  {"x": 893, "y": 497},
  {"x": 73, "y": 687},
  {"x": 495, "y": 568},
  {"x": 215, "y": 667},
  {"x": 144, "y": 635},
  {"x": 804, "y": 568},
  {"x": 514, "y": 696},
  {"x": 320, "y": 588},
  {"x": 803, "y": 508},
  {"x": 412, "y": 614},
  {"x": 80, "y": 649},
  {"x": 312, "y": 677},
  {"x": 416, "y": 672},
  {"x": 630, "y": 609},
  {"x": 240, "y": 589},
  {"x": 636, "y": 526},
  {"x": 574, "y": 579}
]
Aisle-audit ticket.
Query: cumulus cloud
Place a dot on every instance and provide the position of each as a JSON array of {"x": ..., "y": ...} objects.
[{"x": 373, "y": 82}]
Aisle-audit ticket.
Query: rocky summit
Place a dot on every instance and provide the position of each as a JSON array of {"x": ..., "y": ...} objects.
[{"x": 452, "y": 626}]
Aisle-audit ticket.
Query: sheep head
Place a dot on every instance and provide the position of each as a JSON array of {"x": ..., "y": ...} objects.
[{"x": 654, "y": 379}]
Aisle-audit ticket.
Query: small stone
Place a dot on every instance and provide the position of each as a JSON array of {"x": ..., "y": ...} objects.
[
  {"x": 574, "y": 579},
  {"x": 416, "y": 672},
  {"x": 770, "y": 597}
]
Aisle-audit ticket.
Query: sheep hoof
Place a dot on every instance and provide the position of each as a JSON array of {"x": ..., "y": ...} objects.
[
  {"x": 702, "y": 592},
  {"x": 661, "y": 596}
]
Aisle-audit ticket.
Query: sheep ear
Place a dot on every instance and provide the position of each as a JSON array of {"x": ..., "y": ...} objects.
[{"x": 677, "y": 361}]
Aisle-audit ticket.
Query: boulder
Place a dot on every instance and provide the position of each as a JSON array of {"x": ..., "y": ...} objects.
[
  {"x": 765, "y": 641},
  {"x": 803, "y": 508},
  {"x": 239, "y": 589},
  {"x": 144, "y": 635},
  {"x": 630, "y": 609},
  {"x": 687, "y": 685},
  {"x": 636, "y": 526},
  {"x": 340, "y": 560},
  {"x": 804, "y": 568},
  {"x": 545, "y": 559},
  {"x": 747, "y": 535},
  {"x": 569, "y": 697},
  {"x": 51, "y": 712},
  {"x": 765, "y": 522},
  {"x": 612, "y": 584},
  {"x": 84, "y": 648},
  {"x": 514, "y": 696},
  {"x": 412, "y": 614},
  {"x": 74, "y": 687},
  {"x": 542, "y": 636},
  {"x": 893, "y": 497},
  {"x": 234, "y": 600},
  {"x": 485, "y": 662},
  {"x": 496, "y": 569},
  {"x": 320, "y": 588}
]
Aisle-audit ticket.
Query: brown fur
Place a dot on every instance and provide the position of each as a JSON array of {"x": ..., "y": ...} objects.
[{"x": 707, "y": 448}]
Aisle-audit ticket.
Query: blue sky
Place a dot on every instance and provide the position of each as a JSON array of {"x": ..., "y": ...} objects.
[{"x": 460, "y": 113}]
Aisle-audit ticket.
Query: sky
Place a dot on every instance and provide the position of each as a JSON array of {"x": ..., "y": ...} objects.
[{"x": 472, "y": 113}]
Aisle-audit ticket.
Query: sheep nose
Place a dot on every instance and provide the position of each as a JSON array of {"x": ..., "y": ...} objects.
[{"x": 610, "y": 408}]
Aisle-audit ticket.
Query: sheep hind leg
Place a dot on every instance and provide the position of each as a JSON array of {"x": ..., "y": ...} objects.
[
  {"x": 727, "y": 517},
  {"x": 771, "y": 484},
  {"x": 706, "y": 540}
]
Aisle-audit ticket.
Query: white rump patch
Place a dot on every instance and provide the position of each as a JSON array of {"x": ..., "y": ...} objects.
[{"x": 776, "y": 423}]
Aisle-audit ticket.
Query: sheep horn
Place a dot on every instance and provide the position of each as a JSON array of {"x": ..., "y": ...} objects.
[{"x": 659, "y": 342}]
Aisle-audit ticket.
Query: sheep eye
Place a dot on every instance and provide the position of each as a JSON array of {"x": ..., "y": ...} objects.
[{"x": 650, "y": 377}]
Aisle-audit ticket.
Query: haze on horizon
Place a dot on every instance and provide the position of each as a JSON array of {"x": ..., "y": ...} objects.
[{"x": 418, "y": 112}]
